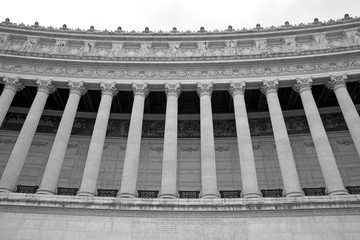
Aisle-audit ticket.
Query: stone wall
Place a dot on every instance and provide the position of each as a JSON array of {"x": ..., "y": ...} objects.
[{"x": 149, "y": 177}]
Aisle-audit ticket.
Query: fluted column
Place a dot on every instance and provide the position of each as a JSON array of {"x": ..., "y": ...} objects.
[
  {"x": 12, "y": 85},
  {"x": 246, "y": 154},
  {"x": 323, "y": 149},
  {"x": 23, "y": 143},
  {"x": 132, "y": 154},
  {"x": 93, "y": 159},
  {"x": 208, "y": 161},
  {"x": 286, "y": 159},
  {"x": 352, "y": 119},
  {"x": 169, "y": 166},
  {"x": 58, "y": 150}
]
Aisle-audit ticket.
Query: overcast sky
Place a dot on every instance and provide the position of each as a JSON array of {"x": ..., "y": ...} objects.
[{"x": 166, "y": 14}]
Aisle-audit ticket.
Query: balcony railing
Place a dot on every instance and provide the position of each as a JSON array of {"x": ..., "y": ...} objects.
[
  {"x": 314, "y": 191},
  {"x": 26, "y": 189},
  {"x": 272, "y": 192},
  {"x": 189, "y": 194},
  {"x": 67, "y": 191},
  {"x": 148, "y": 193},
  {"x": 230, "y": 194},
  {"x": 353, "y": 189},
  {"x": 107, "y": 192}
]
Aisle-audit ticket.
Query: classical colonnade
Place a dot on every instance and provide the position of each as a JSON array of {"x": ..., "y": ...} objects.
[{"x": 250, "y": 188}]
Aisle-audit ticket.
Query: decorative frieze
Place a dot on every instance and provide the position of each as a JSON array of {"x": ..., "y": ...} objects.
[
  {"x": 29, "y": 44},
  {"x": 58, "y": 47}
]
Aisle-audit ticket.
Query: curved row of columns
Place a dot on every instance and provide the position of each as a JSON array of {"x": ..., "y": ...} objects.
[{"x": 209, "y": 189}]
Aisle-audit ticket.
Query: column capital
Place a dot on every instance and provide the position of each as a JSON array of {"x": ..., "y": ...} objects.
[
  {"x": 337, "y": 81},
  {"x": 46, "y": 85},
  {"x": 140, "y": 89},
  {"x": 13, "y": 84},
  {"x": 77, "y": 87},
  {"x": 204, "y": 88},
  {"x": 108, "y": 88},
  {"x": 237, "y": 87},
  {"x": 173, "y": 89},
  {"x": 302, "y": 84},
  {"x": 269, "y": 86}
]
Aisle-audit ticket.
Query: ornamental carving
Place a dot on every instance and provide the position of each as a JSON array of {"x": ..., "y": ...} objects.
[
  {"x": 116, "y": 49},
  {"x": 46, "y": 85},
  {"x": 322, "y": 41},
  {"x": 203, "y": 48},
  {"x": 145, "y": 49},
  {"x": 261, "y": 46},
  {"x": 336, "y": 81},
  {"x": 107, "y": 88},
  {"x": 355, "y": 37},
  {"x": 29, "y": 44},
  {"x": 204, "y": 88},
  {"x": 58, "y": 47},
  {"x": 3, "y": 39},
  {"x": 237, "y": 87},
  {"x": 290, "y": 44},
  {"x": 13, "y": 84},
  {"x": 77, "y": 87},
  {"x": 269, "y": 86},
  {"x": 302, "y": 84},
  {"x": 231, "y": 47},
  {"x": 172, "y": 89},
  {"x": 86, "y": 49},
  {"x": 140, "y": 88},
  {"x": 174, "y": 49}
]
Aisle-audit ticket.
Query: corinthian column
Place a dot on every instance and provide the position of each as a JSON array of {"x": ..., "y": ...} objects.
[
  {"x": 283, "y": 148},
  {"x": 23, "y": 143},
  {"x": 58, "y": 150},
  {"x": 323, "y": 149},
  {"x": 338, "y": 85},
  {"x": 12, "y": 85},
  {"x": 132, "y": 154},
  {"x": 169, "y": 166},
  {"x": 93, "y": 159},
  {"x": 208, "y": 161},
  {"x": 246, "y": 154}
]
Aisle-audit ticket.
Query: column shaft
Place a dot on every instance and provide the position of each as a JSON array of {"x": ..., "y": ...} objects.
[
  {"x": 58, "y": 150},
  {"x": 208, "y": 160},
  {"x": 169, "y": 166},
  {"x": 286, "y": 159},
  {"x": 23, "y": 143},
  {"x": 246, "y": 154},
  {"x": 132, "y": 154}
]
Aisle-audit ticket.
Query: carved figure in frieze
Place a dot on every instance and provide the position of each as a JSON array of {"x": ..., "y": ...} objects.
[
  {"x": 290, "y": 44},
  {"x": 3, "y": 38},
  {"x": 322, "y": 42},
  {"x": 116, "y": 49},
  {"x": 355, "y": 37},
  {"x": 261, "y": 46},
  {"x": 174, "y": 49},
  {"x": 231, "y": 47},
  {"x": 57, "y": 47},
  {"x": 85, "y": 50},
  {"x": 145, "y": 49},
  {"x": 29, "y": 44},
  {"x": 203, "y": 48}
]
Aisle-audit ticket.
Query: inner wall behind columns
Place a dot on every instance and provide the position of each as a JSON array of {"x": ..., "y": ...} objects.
[{"x": 149, "y": 178}]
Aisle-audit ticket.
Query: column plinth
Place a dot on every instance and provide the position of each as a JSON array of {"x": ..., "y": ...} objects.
[
  {"x": 132, "y": 154},
  {"x": 58, "y": 150},
  {"x": 322, "y": 145},
  {"x": 169, "y": 166},
  {"x": 286, "y": 158},
  {"x": 209, "y": 187},
  {"x": 23, "y": 143},
  {"x": 93, "y": 159},
  {"x": 246, "y": 154}
]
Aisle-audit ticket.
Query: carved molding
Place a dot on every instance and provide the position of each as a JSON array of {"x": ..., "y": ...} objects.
[
  {"x": 13, "y": 84},
  {"x": 337, "y": 81},
  {"x": 302, "y": 84},
  {"x": 108, "y": 88},
  {"x": 77, "y": 87},
  {"x": 46, "y": 85}
]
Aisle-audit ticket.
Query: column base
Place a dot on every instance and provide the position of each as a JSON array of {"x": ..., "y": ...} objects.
[
  {"x": 294, "y": 194},
  {"x": 338, "y": 192},
  {"x": 252, "y": 195},
  {"x": 5, "y": 189},
  {"x": 126, "y": 195},
  {"x": 209, "y": 196},
  {"x": 168, "y": 196},
  {"x": 45, "y": 192},
  {"x": 85, "y": 194}
]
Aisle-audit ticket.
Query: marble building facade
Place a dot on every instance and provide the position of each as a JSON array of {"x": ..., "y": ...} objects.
[{"x": 233, "y": 134}]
